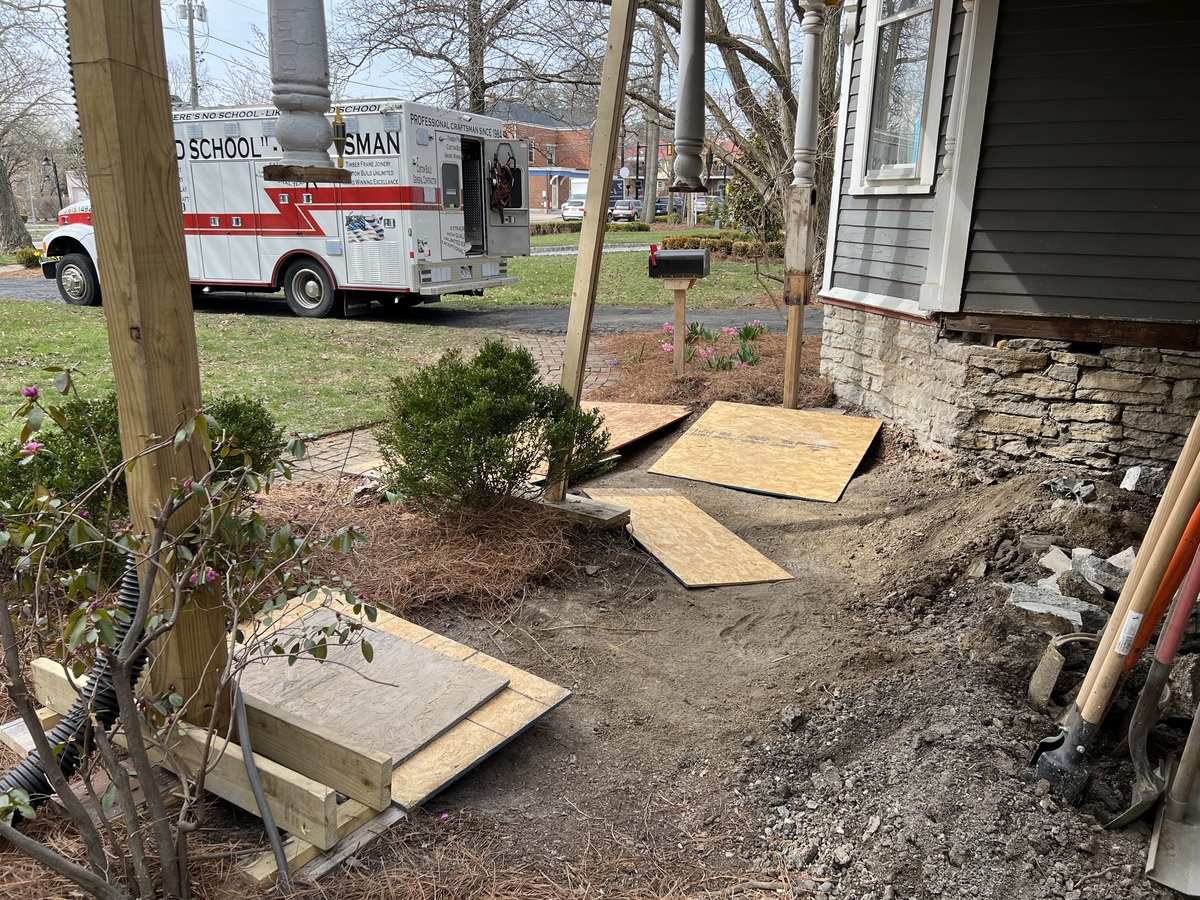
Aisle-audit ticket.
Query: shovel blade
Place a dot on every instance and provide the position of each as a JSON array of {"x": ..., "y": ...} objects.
[{"x": 1174, "y": 856}]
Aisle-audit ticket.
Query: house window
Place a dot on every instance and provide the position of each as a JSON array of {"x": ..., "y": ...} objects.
[
  {"x": 899, "y": 108},
  {"x": 551, "y": 151},
  {"x": 531, "y": 148}
]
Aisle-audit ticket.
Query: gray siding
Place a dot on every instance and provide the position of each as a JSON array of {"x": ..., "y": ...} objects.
[
  {"x": 1088, "y": 196},
  {"x": 883, "y": 241}
]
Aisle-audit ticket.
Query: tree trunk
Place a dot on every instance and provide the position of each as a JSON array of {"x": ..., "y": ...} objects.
[
  {"x": 831, "y": 93},
  {"x": 13, "y": 233},
  {"x": 652, "y": 130},
  {"x": 476, "y": 49}
]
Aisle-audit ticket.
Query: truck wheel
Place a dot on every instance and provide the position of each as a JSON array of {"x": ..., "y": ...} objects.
[
  {"x": 77, "y": 281},
  {"x": 308, "y": 290}
]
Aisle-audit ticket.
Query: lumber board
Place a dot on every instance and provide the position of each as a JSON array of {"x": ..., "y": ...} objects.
[
  {"x": 416, "y": 693},
  {"x": 581, "y": 510},
  {"x": 629, "y": 422},
  {"x": 695, "y": 547},
  {"x": 15, "y": 735},
  {"x": 301, "y": 805},
  {"x": 783, "y": 452},
  {"x": 343, "y": 763},
  {"x": 52, "y": 685},
  {"x": 260, "y": 869}
]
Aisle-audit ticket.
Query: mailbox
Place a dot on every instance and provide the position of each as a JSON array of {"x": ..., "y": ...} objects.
[{"x": 678, "y": 263}]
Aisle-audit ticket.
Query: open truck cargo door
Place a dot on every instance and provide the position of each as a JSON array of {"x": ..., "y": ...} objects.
[{"x": 506, "y": 174}]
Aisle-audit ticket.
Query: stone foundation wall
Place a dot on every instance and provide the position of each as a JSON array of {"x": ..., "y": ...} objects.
[{"x": 1022, "y": 401}]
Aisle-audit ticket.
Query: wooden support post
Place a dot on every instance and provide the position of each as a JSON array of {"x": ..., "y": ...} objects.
[
  {"x": 124, "y": 116},
  {"x": 591, "y": 241},
  {"x": 801, "y": 200},
  {"x": 680, "y": 286}
]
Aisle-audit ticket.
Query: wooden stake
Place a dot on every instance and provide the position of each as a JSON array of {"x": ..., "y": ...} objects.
[
  {"x": 591, "y": 240},
  {"x": 124, "y": 115}
]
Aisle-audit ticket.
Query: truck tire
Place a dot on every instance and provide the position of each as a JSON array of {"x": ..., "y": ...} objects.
[
  {"x": 76, "y": 279},
  {"x": 308, "y": 290}
]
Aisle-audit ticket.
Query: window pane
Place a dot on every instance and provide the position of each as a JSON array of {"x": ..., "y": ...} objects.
[
  {"x": 899, "y": 100},
  {"x": 889, "y": 8}
]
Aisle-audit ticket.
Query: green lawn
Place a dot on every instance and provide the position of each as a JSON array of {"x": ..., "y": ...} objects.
[
  {"x": 615, "y": 237},
  {"x": 546, "y": 281},
  {"x": 315, "y": 375}
]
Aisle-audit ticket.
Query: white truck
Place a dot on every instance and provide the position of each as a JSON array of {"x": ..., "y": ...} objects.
[{"x": 437, "y": 204}]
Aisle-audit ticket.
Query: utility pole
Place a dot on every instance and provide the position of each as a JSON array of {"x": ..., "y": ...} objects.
[
  {"x": 32, "y": 208},
  {"x": 193, "y": 10}
]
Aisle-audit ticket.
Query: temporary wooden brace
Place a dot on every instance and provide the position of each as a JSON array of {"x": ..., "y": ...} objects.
[
  {"x": 680, "y": 286},
  {"x": 124, "y": 115},
  {"x": 605, "y": 138},
  {"x": 308, "y": 749},
  {"x": 301, "y": 805}
]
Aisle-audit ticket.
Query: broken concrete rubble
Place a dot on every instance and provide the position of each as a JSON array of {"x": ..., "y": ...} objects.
[
  {"x": 1056, "y": 561},
  {"x": 1081, "y": 490},
  {"x": 1058, "y": 613},
  {"x": 1184, "y": 687},
  {"x": 1148, "y": 480}
]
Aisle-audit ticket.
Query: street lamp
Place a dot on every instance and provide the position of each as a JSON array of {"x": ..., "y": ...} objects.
[{"x": 50, "y": 165}]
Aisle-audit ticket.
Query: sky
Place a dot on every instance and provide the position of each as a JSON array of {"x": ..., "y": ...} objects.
[{"x": 227, "y": 36}]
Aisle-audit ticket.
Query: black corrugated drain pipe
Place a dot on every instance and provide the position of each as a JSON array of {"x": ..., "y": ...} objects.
[{"x": 98, "y": 699}]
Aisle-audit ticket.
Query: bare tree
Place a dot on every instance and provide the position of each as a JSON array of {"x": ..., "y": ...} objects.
[{"x": 29, "y": 63}]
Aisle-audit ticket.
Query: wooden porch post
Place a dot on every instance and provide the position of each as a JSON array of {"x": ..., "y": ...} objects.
[
  {"x": 124, "y": 114},
  {"x": 595, "y": 217},
  {"x": 800, "y": 201}
]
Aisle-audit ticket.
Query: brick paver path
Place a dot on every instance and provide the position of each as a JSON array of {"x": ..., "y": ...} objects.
[{"x": 355, "y": 452}]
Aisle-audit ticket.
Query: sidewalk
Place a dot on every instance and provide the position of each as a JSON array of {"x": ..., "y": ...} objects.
[{"x": 356, "y": 452}]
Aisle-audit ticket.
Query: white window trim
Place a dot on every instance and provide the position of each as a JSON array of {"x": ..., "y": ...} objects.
[{"x": 921, "y": 181}]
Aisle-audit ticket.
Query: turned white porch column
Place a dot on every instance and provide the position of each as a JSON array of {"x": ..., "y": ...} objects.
[
  {"x": 300, "y": 80},
  {"x": 800, "y": 202},
  {"x": 689, "y": 110}
]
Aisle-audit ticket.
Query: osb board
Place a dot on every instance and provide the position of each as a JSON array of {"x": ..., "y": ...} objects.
[
  {"x": 525, "y": 700},
  {"x": 785, "y": 452},
  {"x": 415, "y": 693},
  {"x": 629, "y": 422},
  {"x": 695, "y": 547}
]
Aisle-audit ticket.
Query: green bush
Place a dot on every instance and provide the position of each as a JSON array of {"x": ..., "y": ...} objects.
[
  {"x": 628, "y": 226},
  {"x": 539, "y": 228},
  {"x": 74, "y": 458},
  {"x": 29, "y": 257},
  {"x": 726, "y": 246},
  {"x": 251, "y": 428},
  {"x": 469, "y": 433}
]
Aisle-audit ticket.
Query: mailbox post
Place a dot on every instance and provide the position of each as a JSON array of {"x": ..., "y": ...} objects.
[{"x": 679, "y": 271}]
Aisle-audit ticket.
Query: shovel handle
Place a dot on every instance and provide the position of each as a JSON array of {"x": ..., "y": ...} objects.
[
  {"x": 1177, "y": 618},
  {"x": 1123, "y": 626},
  {"x": 1180, "y": 562}
]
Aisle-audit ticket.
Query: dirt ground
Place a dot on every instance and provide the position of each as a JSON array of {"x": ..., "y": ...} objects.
[{"x": 859, "y": 731}]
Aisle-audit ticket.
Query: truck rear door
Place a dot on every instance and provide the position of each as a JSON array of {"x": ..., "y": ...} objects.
[{"x": 507, "y": 213}]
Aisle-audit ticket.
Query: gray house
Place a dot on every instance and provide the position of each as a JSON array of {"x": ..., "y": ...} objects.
[{"x": 1013, "y": 264}]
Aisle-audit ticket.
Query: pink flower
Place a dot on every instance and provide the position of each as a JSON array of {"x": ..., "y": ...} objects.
[
  {"x": 729, "y": 331},
  {"x": 33, "y": 448},
  {"x": 668, "y": 328},
  {"x": 668, "y": 348},
  {"x": 30, "y": 393},
  {"x": 738, "y": 364}
]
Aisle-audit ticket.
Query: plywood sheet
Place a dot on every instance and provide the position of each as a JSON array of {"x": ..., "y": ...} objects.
[
  {"x": 786, "y": 452},
  {"x": 409, "y": 694},
  {"x": 695, "y": 547},
  {"x": 629, "y": 422}
]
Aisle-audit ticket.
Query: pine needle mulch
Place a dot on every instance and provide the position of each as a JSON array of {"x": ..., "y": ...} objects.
[
  {"x": 648, "y": 374},
  {"x": 478, "y": 558}
]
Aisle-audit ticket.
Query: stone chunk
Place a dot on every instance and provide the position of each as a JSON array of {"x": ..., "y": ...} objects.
[
  {"x": 1103, "y": 574},
  {"x": 1081, "y": 489},
  {"x": 1059, "y": 613},
  {"x": 1124, "y": 560},
  {"x": 1148, "y": 480},
  {"x": 792, "y": 717},
  {"x": 1056, "y": 561},
  {"x": 1184, "y": 684}
]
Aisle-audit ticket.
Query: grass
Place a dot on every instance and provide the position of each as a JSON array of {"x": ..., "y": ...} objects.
[
  {"x": 315, "y": 375},
  {"x": 546, "y": 281},
  {"x": 613, "y": 237}
]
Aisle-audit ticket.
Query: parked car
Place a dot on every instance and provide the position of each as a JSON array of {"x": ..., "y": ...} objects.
[
  {"x": 572, "y": 209},
  {"x": 660, "y": 205},
  {"x": 626, "y": 211},
  {"x": 700, "y": 203}
]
